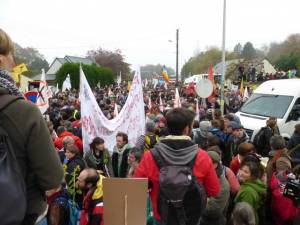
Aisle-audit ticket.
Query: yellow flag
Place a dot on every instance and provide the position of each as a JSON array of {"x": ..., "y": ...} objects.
[
  {"x": 17, "y": 71},
  {"x": 242, "y": 87}
]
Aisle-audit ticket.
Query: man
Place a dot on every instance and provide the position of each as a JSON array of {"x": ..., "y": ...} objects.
[
  {"x": 262, "y": 138},
  {"x": 147, "y": 141},
  {"x": 92, "y": 211},
  {"x": 62, "y": 133},
  {"x": 120, "y": 155},
  {"x": 178, "y": 149},
  {"x": 31, "y": 143}
]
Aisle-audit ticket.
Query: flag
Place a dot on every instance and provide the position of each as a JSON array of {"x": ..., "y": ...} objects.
[
  {"x": 57, "y": 89},
  {"x": 44, "y": 94},
  {"x": 197, "y": 110},
  {"x": 242, "y": 87},
  {"x": 119, "y": 81},
  {"x": 129, "y": 86},
  {"x": 116, "y": 112},
  {"x": 165, "y": 74},
  {"x": 166, "y": 86},
  {"x": 67, "y": 84},
  {"x": 177, "y": 103},
  {"x": 24, "y": 81},
  {"x": 146, "y": 82},
  {"x": 161, "y": 106},
  {"x": 211, "y": 78},
  {"x": 246, "y": 95},
  {"x": 211, "y": 74},
  {"x": 149, "y": 102},
  {"x": 110, "y": 93},
  {"x": 17, "y": 71}
]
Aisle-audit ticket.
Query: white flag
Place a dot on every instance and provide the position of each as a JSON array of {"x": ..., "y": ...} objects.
[
  {"x": 246, "y": 95},
  {"x": 177, "y": 103},
  {"x": 161, "y": 105},
  {"x": 57, "y": 89},
  {"x": 119, "y": 81},
  {"x": 67, "y": 84},
  {"x": 166, "y": 85},
  {"x": 44, "y": 94},
  {"x": 146, "y": 82},
  {"x": 131, "y": 119},
  {"x": 116, "y": 112},
  {"x": 197, "y": 110}
]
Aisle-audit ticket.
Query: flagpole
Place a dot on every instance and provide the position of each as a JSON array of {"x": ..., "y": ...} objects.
[{"x": 223, "y": 58}]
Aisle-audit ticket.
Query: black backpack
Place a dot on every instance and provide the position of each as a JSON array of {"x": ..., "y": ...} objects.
[
  {"x": 259, "y": 140},
  {"x": 12, "y": 184},
  {"x": 181, "y": 199}
]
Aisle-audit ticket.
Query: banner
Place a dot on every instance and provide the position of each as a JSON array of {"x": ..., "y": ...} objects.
[{"x": 131, "y": 119}]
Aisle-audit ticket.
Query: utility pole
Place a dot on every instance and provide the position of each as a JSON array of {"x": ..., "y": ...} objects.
[
  {"x": 223, "y": 58},
  {"x": 177, "y": 37}
]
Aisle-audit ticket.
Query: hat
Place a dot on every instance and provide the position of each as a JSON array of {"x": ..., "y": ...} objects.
[
  {"x": 234, "y": 125},
  {"x": 204, "y": 125},
  {"x": 215, "y": 157},
  {"x": 283, "y": 164}
]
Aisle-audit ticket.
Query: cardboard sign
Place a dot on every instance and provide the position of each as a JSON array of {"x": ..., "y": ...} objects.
[{"x": 125, "y": 201}]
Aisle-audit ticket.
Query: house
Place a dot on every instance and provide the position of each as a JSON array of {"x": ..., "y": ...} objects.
[{"x": 57, "y": 64}]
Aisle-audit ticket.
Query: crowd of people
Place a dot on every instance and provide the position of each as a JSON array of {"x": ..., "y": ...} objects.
[{"x": 202, "y": 167}]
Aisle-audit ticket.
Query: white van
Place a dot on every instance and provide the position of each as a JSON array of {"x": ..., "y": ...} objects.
[{"x": 277, "y": 98}]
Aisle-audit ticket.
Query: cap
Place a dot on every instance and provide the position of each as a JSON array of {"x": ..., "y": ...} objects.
[{"x": 234, "y": 125}]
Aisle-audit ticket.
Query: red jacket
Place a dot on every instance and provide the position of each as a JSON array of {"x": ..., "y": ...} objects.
[
  {"x": 59, "y": 141},
  {"x": 203, "y": 170},
  {"x": 235, "y": 165},
  {"x": 283, "y": 208}
]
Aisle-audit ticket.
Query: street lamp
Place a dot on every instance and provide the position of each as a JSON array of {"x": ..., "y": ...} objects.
[{"x": 177, "y": 38}]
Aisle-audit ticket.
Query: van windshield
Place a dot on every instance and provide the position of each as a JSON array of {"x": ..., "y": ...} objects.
[{"x": 267, "y": 105}]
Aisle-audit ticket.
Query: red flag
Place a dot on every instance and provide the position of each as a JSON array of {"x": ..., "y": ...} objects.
[{"x": 211, "y": 74}]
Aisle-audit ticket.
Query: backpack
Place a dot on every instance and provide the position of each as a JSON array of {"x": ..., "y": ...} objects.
[
  {"x": 150, "y": 141},
  {"x": 181, "y": 199},
  {"x": 259, "y": 140},
  {"x": 12, "y": 184}
]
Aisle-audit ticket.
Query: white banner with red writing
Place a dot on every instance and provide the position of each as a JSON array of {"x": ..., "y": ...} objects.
[{"x": 130, "y": 120}]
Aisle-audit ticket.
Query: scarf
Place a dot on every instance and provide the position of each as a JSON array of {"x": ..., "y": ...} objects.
[{"x": 9, "y": 84}]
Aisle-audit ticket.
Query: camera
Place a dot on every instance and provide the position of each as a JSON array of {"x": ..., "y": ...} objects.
[{"x": 292, "y": 189}]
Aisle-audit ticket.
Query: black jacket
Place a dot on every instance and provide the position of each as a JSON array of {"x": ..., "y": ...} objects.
[{"x": 124, "y": 163}]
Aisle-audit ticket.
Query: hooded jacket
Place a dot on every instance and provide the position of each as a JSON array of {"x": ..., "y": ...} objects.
[
  {"x": 59, "y": 141},
  {"x": 34, "y": 150},
  {"x": 178, "y": 150},
  {"x": 253, "y": 192}
]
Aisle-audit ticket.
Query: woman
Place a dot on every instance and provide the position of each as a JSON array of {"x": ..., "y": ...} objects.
[
  {"x": 73, "y": 166},
  {"x": 243, "y": 214},
  {"x": 98, "y": 157},
  {"x": 252, "y": 189}
]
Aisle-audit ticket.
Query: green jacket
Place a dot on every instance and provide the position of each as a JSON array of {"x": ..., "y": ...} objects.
[
  {"x": 34, "y": 150},
  {"x": 252, "y": 192}
]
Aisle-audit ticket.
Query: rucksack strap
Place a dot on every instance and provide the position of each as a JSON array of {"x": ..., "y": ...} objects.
[{"x": 6, "y": 100}]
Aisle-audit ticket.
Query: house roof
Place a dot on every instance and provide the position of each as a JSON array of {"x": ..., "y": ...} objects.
[{"x": 75, "y": 59}]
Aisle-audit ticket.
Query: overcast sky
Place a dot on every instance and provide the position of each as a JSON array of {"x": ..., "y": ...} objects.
[{"x": 141, "y": 29}]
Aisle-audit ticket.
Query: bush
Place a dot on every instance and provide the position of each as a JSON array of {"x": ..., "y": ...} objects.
[{"x": 94, "y": 74}]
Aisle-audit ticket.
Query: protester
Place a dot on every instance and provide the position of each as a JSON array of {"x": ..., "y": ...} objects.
[
  {"x": 283, "y": 209},
  {"x": 215, "y": 212},
  {"x": 120, "y": 155},
  {"x": 90, "y": 182},
  {"x": 253, "y": 190},
  {"x": 62, "y": 132},
  {"x": 200, "y": 134},
  {"x": 147, "y": 141},
  {"x": 244, "y": 149},
  {"x": 277, "y": 144},
  {"x": 178, "y": 149},
  {"x": 98, "y": 158},
  {"x": 73, "y": 166},
  {"x": 134, "y": 158},
  {"x": 39, "y": 167},
  {"x": 243, "y": 214}
]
